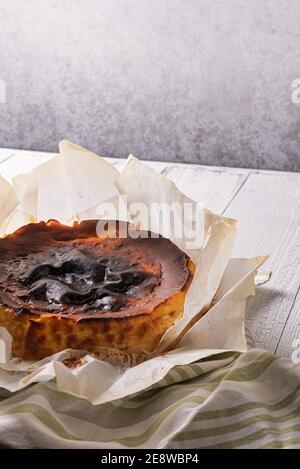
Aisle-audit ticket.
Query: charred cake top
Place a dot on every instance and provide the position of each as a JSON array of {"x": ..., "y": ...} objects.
[{"x": 88, "y": 270}]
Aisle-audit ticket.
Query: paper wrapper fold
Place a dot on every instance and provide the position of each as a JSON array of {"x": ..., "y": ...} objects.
[{"x": 77, "y": 185}]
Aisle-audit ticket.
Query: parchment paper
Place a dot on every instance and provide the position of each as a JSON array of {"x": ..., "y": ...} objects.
[{"x": 76, "y": 185}]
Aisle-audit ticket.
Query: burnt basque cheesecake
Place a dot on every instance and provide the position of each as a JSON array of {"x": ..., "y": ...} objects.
[{"x": 82, "y": 287}]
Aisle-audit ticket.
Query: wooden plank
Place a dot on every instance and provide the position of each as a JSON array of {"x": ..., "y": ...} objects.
[
  {"x": 213, "y": 187},
  {"x": 290, "y": 339},
  {"x": 268, "y": 210},
  {"x": 5, "y": 154}
]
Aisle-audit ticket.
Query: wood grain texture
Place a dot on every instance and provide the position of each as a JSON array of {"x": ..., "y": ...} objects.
[
  {"x": 267, "y": 205},
  {"x": 290, "y": 339},
  {"x": 268, "y": 210}
]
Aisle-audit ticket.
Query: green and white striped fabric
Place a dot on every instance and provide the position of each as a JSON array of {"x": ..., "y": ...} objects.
[{"x": 249, "y": 400}]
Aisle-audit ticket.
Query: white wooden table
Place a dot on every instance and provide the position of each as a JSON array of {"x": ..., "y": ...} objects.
[{"x": 267, "y": 205}]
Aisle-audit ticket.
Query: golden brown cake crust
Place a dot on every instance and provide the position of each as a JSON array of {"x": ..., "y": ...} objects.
[{"x": 79, "y": 287}]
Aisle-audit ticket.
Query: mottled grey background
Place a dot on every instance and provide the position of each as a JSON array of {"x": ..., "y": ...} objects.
[{"x": 205, "y": 81}]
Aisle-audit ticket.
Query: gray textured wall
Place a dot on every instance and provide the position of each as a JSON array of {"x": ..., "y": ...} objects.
[{"x": 186, "y": 80}]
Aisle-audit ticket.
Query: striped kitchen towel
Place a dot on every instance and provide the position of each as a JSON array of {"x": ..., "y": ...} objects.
[{"x": 248, "y": 400}]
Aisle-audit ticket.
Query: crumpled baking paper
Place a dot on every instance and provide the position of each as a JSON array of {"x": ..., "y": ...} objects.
[{"x": 76, "y": 185}]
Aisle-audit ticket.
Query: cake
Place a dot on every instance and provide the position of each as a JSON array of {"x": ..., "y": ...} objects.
[{"x": 88, "y": 287}]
